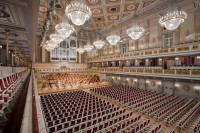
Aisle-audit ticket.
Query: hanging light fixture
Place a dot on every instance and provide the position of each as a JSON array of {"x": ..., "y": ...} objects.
[
  {"x": 113, "y": 39},
  {"x": 57, "y": 38},
  {"x": 173, "y": 18},
  {"x": 80, "y": 50},
  {"x": 88, "y": 47},
  {"x": 78, "y": 12},
  {"x": 99, "y": 43},
  {"x": 136, "y": 31},
  {"x": 51, "y": 43},
  {"x": 65, "y": 29}
]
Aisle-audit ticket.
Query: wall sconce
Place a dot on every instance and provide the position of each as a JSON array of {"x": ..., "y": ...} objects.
[
  {"x": 198, "y": 57},
  {"x": 159, "y": 83},
  {"x": 127, "y": 79},
  {"x": 118, "y": 78},
  {"x": 160, "y": 59},
  {"x": 147, "y": 81},
  {"x": 197, "y": 89},
  {"x": 135, "y": 80},
  {"x": 176, "y": 58},
  {"x": 113, "y": 77},
  {"x": 177, "y": 86}
]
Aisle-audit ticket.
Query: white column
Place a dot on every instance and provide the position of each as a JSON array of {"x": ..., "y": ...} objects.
[
  {"x": 43, "y": 54},
  {"x": 137, "y": 62}
]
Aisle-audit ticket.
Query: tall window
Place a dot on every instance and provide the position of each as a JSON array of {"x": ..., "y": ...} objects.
[
  {"x": 169, "y": 40},
  {"x": 123, "y": 48}
]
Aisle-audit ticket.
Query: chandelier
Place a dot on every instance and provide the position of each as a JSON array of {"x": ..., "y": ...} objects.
[
  {"x": 174, "y": 18},
  {"x": 51, "y": 43},
  {"x": 135, "y": 32},
  {"x": 78, "y": 13},
  {"x": 171, "y": 21},
  {"x": 57, "y": 38},
  {"x": 49, "y": 47},
  {"x": 113, "y": 39},
  {"x": 88, "y": 47},
  {"x": 99, "y": 44},
  {"x": 80, "y": 50},
  {"x": 64, "y": 29}
]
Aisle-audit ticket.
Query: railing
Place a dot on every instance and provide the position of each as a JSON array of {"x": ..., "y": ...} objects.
[
  {"x": 148, "y": 53},
  {"x": 194, "y": 73}
]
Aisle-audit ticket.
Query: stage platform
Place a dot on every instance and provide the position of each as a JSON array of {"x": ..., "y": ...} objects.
[{"x": 55, "y": 90}]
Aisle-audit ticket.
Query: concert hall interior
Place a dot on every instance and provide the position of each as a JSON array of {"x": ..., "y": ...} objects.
[{"x": 99, "y": 66}]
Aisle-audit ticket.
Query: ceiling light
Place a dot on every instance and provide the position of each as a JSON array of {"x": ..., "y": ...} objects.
[
  {"x": 113, "y": 39},
  {"x": 80, "y": 50},
  {"x": 64, "y": 29},
  {"x": 99, "y": 44},
  {"x": 136, "y": 31},
  {"x": 78, "y": 13},
  {"x": 88, "y": 47},
  {"x": 57, "y": 38},
  {"x": 174, "y": 18}
]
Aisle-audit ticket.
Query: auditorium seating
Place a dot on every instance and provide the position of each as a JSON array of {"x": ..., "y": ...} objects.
[
  {"x": 175, "y": 115},
  {"x": 196, "y": 126},
  {"x": 169, "y": 109},
  {"x": 188, "y": 116},
  {"x": 9, "y": 88},
  {"x": 156, "y": 129},
  {"x": 78, "y": 110}
]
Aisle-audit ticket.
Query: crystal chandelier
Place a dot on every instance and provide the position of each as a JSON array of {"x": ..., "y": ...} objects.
[
  {"x": 51, "y": 43},
  {"x": 135, "y": 32},
  {"x": 49, "y": 47},
  {"x": 113, "y": 39},
  {"x": 79, "y": 13},
  {"x": 174, "y": 18},
  {"x": 80, "y": 50},
  {"x": 65, "y": 29},
  {"x": 99, "y": 44},
  {"x": 57, "y": 38},
  {"x": 88, "y": 47}
]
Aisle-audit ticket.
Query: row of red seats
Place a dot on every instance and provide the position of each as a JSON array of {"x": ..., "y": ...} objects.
[
  {"x": 9, "y": 87},
  {"x": 196, "y": 126},
  {"x": 156, "y": 129},
  {"x": 153, "y": 103},
  {"x": 170, "y": 119},
  {"x": 153, "y": 110},
  {"x": 169, "y": 109},
  {"x": 127, "y": 95},
  {"x": 57, "y": 121},
  {"x": 188, "y": 116}
]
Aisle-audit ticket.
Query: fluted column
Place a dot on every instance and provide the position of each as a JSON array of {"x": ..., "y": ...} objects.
[
  {"x": 7, "y": 53},
  {"x": 16, "y": 54}
]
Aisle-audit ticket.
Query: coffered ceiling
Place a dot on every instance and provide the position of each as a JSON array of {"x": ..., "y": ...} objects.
[{"x": 104, "y": 12}]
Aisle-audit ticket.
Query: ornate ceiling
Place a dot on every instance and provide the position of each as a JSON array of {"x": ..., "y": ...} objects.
[{"x": 104, "y": 12}]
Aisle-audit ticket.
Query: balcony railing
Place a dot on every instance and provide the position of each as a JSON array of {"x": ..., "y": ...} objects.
[{"x": 148, "y": 53}]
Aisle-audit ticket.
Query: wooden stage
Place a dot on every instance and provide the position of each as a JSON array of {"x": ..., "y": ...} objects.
[{"x": 54, "y": 90}]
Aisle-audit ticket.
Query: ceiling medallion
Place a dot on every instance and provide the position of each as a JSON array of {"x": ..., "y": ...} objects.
[
  {"x": 93, "y": 1},
  {"x": 130, "y": 7},
  {"x": 78, "y": 13},
  {"x": 96, "y": 11},
  {"x": 113, "y": 9},
  {"x": 113, "y": 17}
]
